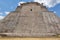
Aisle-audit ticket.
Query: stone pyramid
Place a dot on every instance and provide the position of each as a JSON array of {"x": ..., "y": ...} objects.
[{"x": 30, "y": 19}]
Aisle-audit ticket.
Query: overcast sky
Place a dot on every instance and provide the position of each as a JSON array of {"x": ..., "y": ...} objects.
[{"x": 7, "y": 6}]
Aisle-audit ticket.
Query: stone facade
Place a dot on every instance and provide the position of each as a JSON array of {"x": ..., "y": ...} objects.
[{"x": 31, "y": 20}]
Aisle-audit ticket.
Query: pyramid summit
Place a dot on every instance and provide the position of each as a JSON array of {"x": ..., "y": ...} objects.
[
  {"x": 30, "y": 20},
  {"x": 42, "y": 7}
]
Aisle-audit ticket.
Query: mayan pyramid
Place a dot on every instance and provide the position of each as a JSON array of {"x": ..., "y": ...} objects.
[{"x": 30, "y": 19}]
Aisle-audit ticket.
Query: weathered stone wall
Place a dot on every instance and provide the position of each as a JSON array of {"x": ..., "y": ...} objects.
[
  {"x": 34, "y": 6},
  {"x": 32, "y": 20}
]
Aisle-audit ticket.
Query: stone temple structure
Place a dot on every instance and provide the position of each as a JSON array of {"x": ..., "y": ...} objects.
[{"x": 31, "y": 19}]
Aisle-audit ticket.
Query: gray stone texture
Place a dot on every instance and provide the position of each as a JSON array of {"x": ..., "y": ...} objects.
[{"x": 30, "y": 20}]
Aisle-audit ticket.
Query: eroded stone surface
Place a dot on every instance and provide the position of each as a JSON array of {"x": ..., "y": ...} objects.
[{"x": 30, "y": 20}]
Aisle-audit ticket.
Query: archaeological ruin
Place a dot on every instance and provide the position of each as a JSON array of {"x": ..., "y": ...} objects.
[{"x": 30, "y": 19}]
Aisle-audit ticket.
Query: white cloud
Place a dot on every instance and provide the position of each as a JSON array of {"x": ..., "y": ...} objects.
[
  {"x": 1, "y": 17},
  {"x": 7, "y": 12},
  {"x": 54, "y": 11},
  {"x": 48, "y": 3},
  {"x": 20, "y": 3}
]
